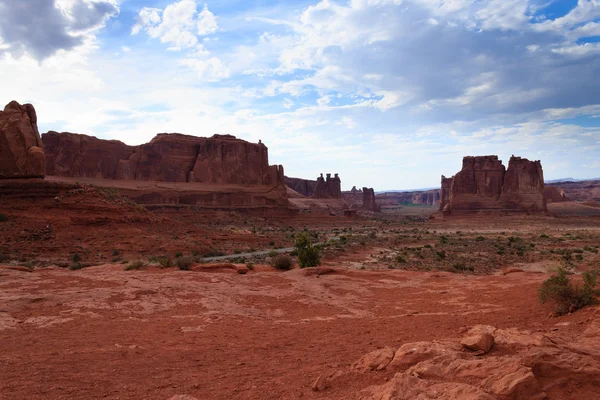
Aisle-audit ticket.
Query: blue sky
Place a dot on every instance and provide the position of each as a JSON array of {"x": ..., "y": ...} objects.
[{"x": 390, "y": 94}]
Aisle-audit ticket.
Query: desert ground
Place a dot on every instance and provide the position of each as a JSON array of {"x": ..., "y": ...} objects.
[{"x": 77, "y": 323}]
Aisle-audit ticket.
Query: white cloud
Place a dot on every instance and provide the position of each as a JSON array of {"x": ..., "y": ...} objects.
[
  {"x": 178, "y": 25},
  {"x": 211, "y": 69}
]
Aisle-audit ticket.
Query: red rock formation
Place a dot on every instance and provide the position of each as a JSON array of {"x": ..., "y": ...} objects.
[
  {"x": 353, "y": 197},
  {"x": 220, "y": 159},
  {"x": 523, "y": 187},
  {"x": 74, "y": 155},
  {"x": 554, "y": 194},
  {"x": 484, "y": 184},
  {"x": 21, "y": 151},
  {"x": 330, "y": 188},
  {"x": 428, "y": 197},
  {"x": 445, "y": 192},
  {"x": 369, "y": 200},
  {"x": 305, "y": 187}
]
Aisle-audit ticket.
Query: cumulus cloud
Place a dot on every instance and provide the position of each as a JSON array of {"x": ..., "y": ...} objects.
[
  {"x": 178, "y": 25},
  {"x": 43, "y": 27}
]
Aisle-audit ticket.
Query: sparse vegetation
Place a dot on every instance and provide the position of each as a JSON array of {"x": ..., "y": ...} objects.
[
  {"x": 566, "y": 296},
  {"x": 3, "y": 218},
  {"x": 139, "y": 264},
  {"x": 308, "y": 255},
  {"x": 283, "y": 262},
  {"x": 184, "y": 263}
]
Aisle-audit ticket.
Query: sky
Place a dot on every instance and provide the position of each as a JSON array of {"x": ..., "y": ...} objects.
[{"x": 390, "y": 94}]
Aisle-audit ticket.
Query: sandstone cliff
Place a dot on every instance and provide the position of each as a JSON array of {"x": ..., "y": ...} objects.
[
  {"x": 369, "y": 200},
  {"x": 21, "y": 151},
  {"x": 220, "y": 159},
  {"x": 330, "y": 188},
  {"x": 484, "y": 184},
  {"x": 305, "y": 187}
]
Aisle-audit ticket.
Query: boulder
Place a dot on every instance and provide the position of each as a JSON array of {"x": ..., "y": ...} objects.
[
  {"x": 478, "y": 340},
  {"x": 21, "y": 150},
  {"x": 375, "y": 360}
]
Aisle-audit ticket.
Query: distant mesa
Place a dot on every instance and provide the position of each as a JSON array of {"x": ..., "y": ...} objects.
[
  {"x": 174, "y": 157},
  {"x": 554, "y": 194},
  {"x": 485, "y": 184},
  {"x": 21, "y": 149}
]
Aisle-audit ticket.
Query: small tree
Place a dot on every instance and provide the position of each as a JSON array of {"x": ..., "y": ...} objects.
[
  {"x": 308, "y": 255},
  {"x": 566, "y": 296}
]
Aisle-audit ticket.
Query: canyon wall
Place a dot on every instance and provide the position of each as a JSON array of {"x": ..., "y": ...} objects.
[
  {"x": 220, "y": 159},
  {"x": 328, "y": 188},
  {"x": 485, "y": 184},
  {"x": 21, "y": 149}
]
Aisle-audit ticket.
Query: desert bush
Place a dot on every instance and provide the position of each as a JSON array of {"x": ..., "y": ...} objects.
[
  {"x": 566, "y": 296},
  {"x": 178, "y": 254},
  {"x": 440, "y": 255},
  {"x": 184, "y": 263},
  {"x": 283, "y": 262},
  {"x": 76, "y": 258},
  {"x": 443, "y": 239},
  {"x": 272, "y": 253},
  {"x": 3, "y": 218},
  {"x": 480, "y": 238},
  {"x": 213, "y": 253},
  {"x": 400, "y": 259},
  {"x": 544, "y": 236},
  {"x": 139, "y": 264},
  {"x": 308, "y": 255},
  {"x": 250, "y": 265},
  {"x": 115, "y": 252},
  {"x": 164, "y": 261}
]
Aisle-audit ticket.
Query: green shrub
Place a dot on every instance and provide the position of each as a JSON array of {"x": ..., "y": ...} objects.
[
  {"x": 400, "y": 259},
  {"x": 283, "y": 262},
  {"x": 178, "y": 254},
  {"x": 443, "y": 239},
  {"x": 115, "y": 252},
  {"x": 139, "y": 264},
  {"x": 567, "y": 297},
  {"x": 76, "y": 258},
  {"x": 480, "y": 238},
  {"x": 3, "y": 218},
  {"x": 272, "y": 253},
  {"x": 250, "y": 265},
  {"x": 440, "y": 254},
  {"x": 184, "y": 263},
  {"x": 544, "y": 236},
  {"x": 308, "y": 255}
]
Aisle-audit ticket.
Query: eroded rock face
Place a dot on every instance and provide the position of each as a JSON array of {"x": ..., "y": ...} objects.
[
  {"x": 220, "y": 159},
  {"x": 74, "y": 155},
  {"x": 330, "y": 188},
  {"x": 484, "y": 184},
  {"x": 305, "y": 187},
  {"x": 369, "y": 200},
  {"x": 21, "y": 151}
]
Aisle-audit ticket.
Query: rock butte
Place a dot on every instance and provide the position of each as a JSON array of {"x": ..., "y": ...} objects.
[
  {"x": 485, "y": 184},
  {"x": 220, "y": 159},
  {"x": 21, "y": 152},
  {"x": 368, "y": 202}
]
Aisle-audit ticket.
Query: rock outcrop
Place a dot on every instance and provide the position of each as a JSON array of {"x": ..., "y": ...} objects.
[
  {"x": 353, "y": 197},
  {"x": 487, "y": 363},
  {"x": 554, "y": 194},
  {"x": 305, "y": 187},
  {"x": 330, "y": 188},
  {"x": 369, "y": 200},
  {"x": 21, "y": 150},
  {"x": 485, "y": 184},
  {"x": 220, "y": 159}
]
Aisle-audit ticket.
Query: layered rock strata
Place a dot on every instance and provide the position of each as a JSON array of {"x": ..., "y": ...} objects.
[
  {"x": 220, "y": 159},
  {"x": 21, "y": 150},
  {"x": 485, "y": 184}
]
